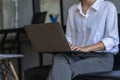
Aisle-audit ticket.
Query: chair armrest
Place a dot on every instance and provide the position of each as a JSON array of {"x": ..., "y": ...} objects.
[{"x": 100, "y": 75}]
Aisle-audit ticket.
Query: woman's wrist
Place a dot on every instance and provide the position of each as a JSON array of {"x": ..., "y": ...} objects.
[
  {"x": 85, "y": 49},
  {"x": 95, "y": 47}
]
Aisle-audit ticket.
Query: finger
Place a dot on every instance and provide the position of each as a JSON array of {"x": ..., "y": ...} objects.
[
  {"x": 73, "y": 47},
  {"x": 78, "y": 49}
]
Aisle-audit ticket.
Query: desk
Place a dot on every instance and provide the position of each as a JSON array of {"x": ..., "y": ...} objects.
[
  {"x": 7, "y": 56},
  {"x": 9, "y": 66}
]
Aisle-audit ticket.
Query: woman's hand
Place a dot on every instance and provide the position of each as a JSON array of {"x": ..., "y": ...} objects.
[{"x": 78, "y": 48}]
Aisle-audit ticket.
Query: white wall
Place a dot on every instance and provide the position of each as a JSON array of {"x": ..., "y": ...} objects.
[
  {"x": 1, "y": 15},
  {"x": 66, "y": 5},
  {"x": 117, "y": 4},
  {"x": 25, "y": 12},
  {"x": 8, "y": 14}
]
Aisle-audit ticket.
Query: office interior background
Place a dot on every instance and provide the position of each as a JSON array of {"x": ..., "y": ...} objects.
[{"x": 18, "y": 13}]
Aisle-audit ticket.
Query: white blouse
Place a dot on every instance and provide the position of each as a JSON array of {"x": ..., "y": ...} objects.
[{"x": 98, "y": 24}]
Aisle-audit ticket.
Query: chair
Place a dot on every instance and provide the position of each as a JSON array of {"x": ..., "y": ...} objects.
[
  {"x": 117, "y": 57},
  {"x": 41, "y": 72},
  {"x": 10, "y": 43},
  {"x": 39, "y": 18},
  {"x": 106, "y": 75},
  {"x": 7, "y": 69}
]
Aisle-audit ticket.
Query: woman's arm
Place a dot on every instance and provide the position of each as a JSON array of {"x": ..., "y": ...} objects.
[{"x": 94, "y": 47}]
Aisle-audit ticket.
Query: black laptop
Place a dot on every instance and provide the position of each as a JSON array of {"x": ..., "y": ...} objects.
[{"x": 48, "y": 37}]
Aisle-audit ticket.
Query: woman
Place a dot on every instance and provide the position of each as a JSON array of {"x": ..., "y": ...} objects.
[{"x": 91, "y": 26}]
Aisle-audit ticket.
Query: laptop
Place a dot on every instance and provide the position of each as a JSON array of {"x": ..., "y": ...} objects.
[{"x": 47, "y": 37}]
